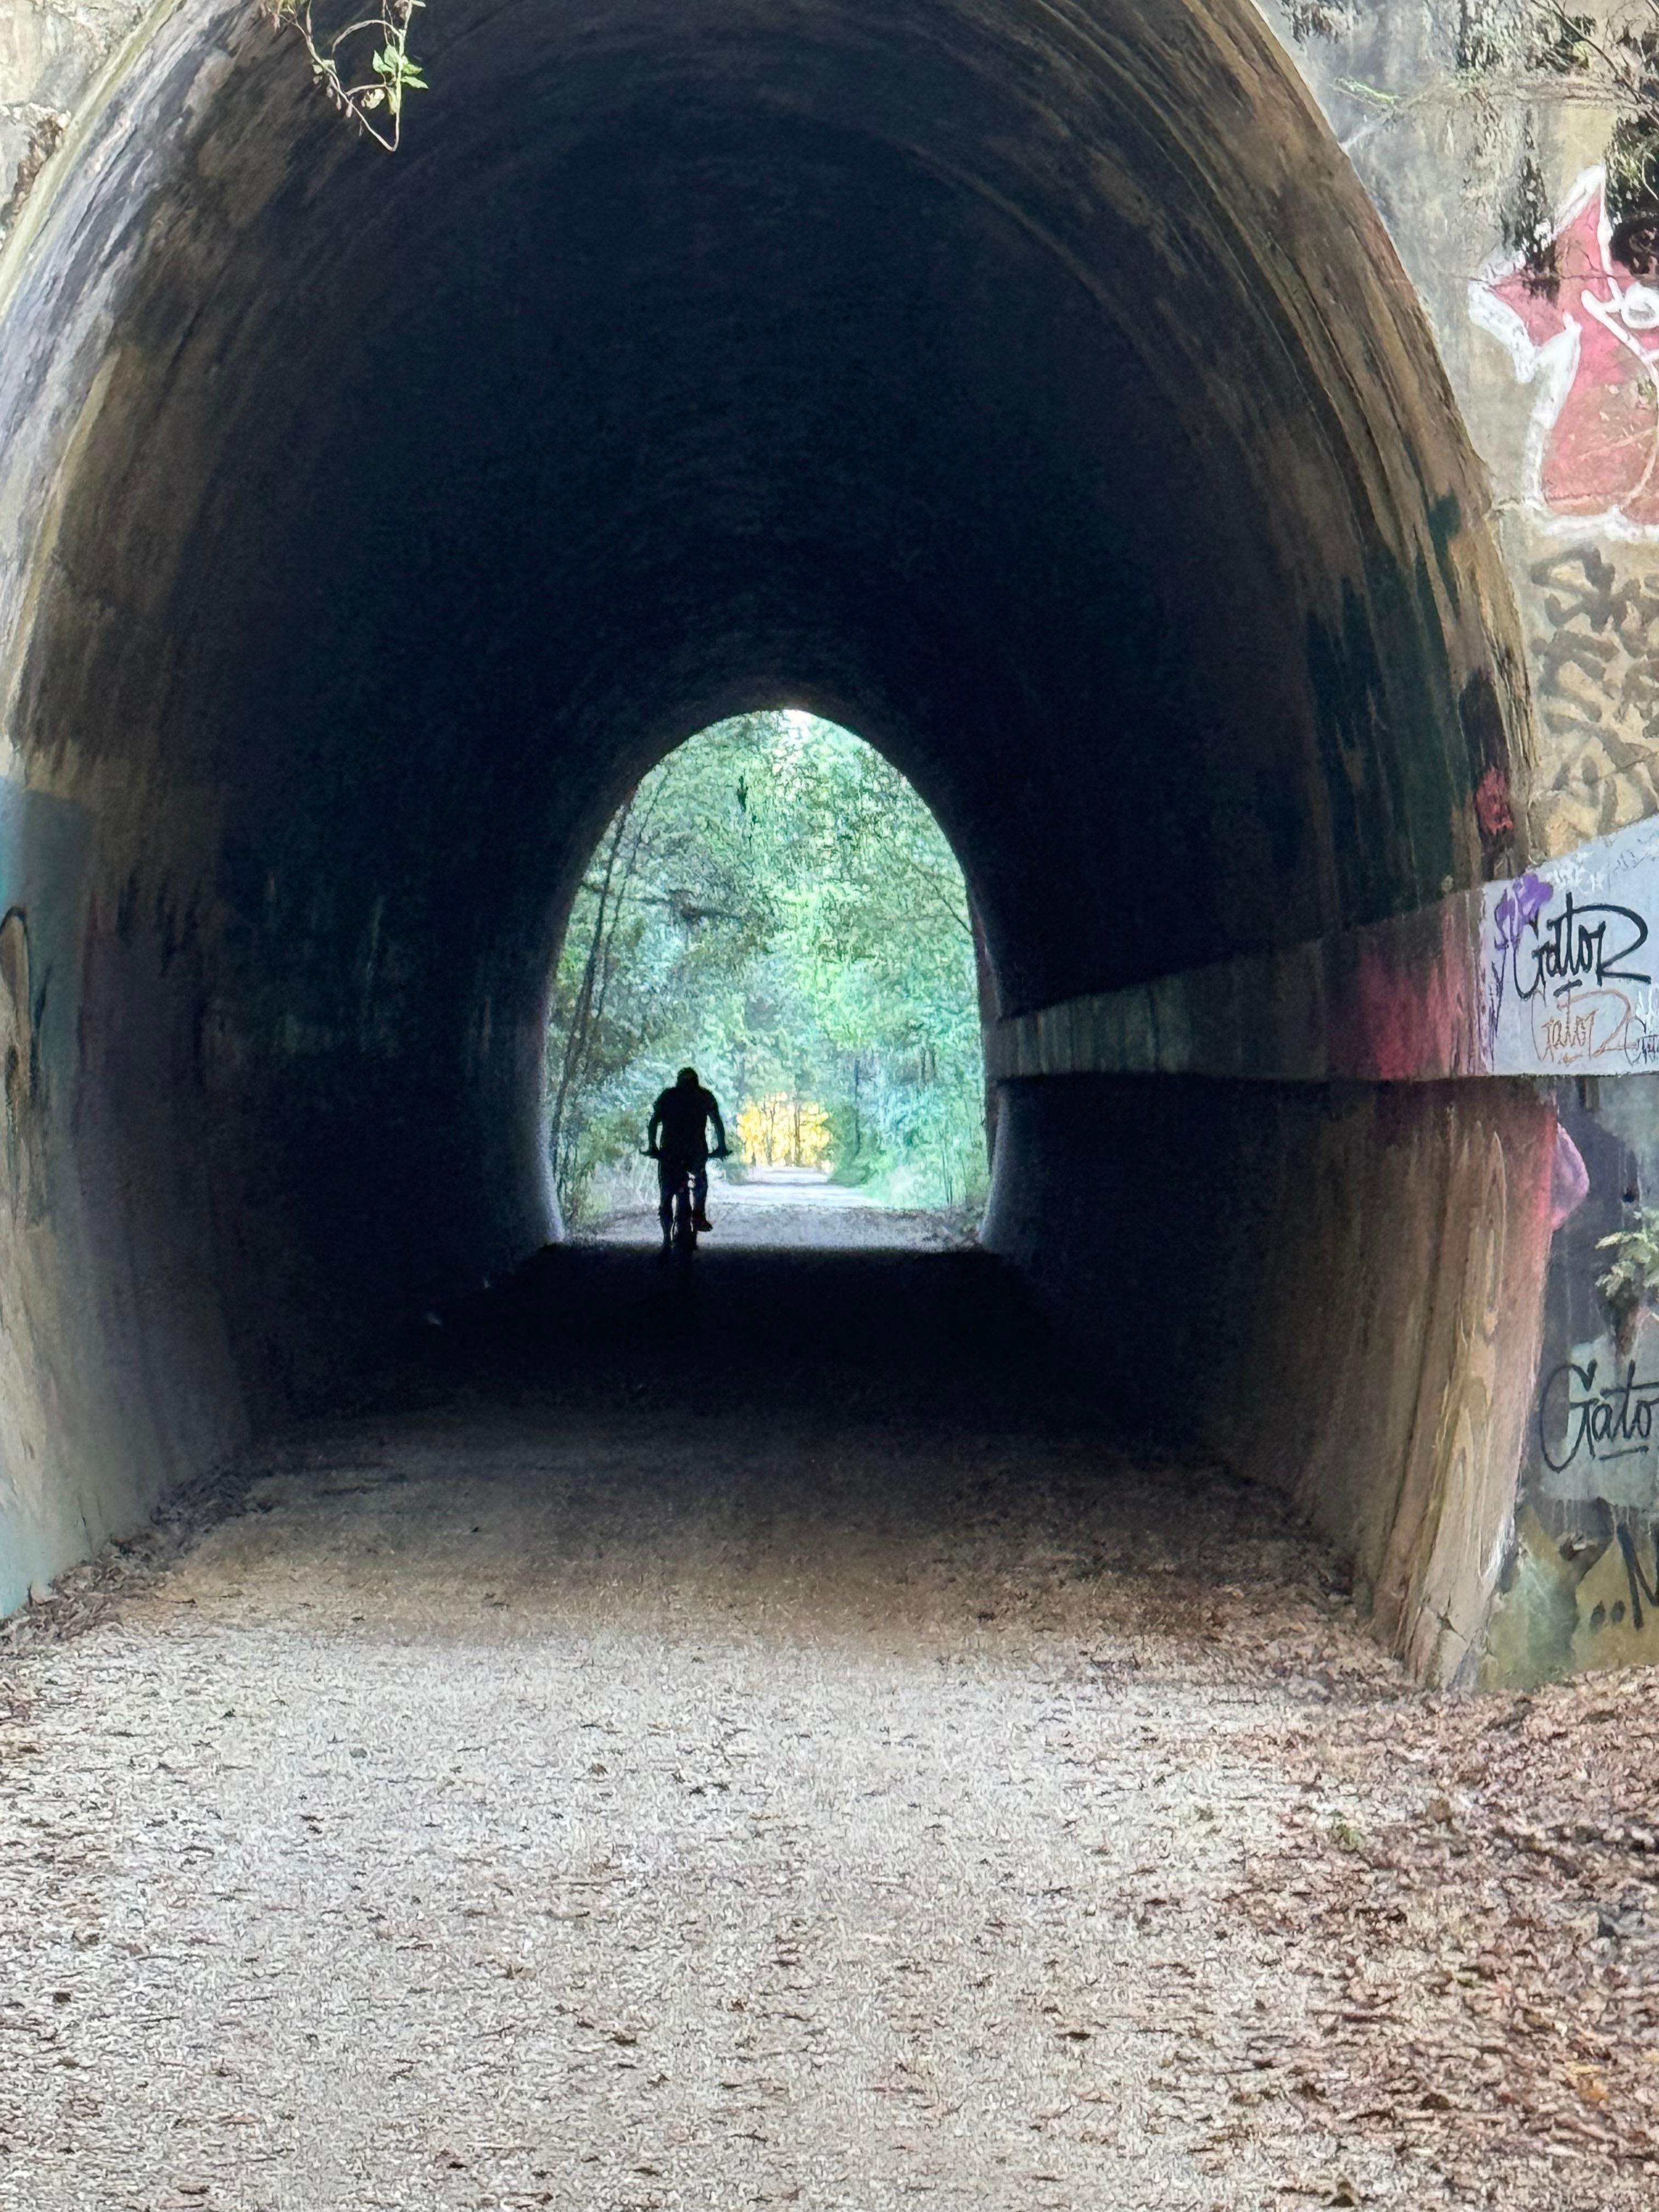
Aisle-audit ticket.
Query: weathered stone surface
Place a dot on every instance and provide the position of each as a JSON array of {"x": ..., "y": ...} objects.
[
  {"x": 49, "y": 58},
  {"x": 1036, "y": 391},
  {"x": 1465, "y": 153}
]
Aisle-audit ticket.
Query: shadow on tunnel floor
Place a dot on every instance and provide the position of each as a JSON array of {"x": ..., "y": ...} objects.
[
  {"x": 848, "y": 1441},
  {"x": 817, "y": 1443},
  {"x": 877, "y": 1334}
]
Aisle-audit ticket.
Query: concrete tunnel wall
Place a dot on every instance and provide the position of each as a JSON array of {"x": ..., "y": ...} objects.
[{"x": 1030, "y": 388}]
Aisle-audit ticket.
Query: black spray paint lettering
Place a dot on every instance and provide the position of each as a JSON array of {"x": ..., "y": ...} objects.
[
  {"x": 1596, "y": 662},
  {"x": 1640, "y": 1586},
  {"x": 1570, "y": 949},
  {"x": 1518, "y": 908},
  {"x": 1616, "y": 1422}
]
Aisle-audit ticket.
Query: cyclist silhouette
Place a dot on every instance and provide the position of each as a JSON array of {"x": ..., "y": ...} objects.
[{"x": 678, "y": 1140}]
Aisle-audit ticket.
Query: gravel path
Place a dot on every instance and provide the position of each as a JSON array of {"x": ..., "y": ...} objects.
[
  {"x": 778, "y": 1226},
  {"x": 854, "y": 1789},
  {"x": 784, "y": 1209}
]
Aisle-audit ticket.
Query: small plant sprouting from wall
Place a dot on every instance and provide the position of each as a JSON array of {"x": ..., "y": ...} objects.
[
  {"x": 1524, "y": 222},
  {"x": 377, "y": 43},
  {"x": 1632, "y": 1279}
]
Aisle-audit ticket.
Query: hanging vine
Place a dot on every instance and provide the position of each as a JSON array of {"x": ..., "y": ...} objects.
[{"x": 378, "y": 44}]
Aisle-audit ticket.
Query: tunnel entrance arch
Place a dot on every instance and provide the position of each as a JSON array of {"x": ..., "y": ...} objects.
[
  {"x": 775, "y": 903},
  {"x": 1032, "y": 389}
]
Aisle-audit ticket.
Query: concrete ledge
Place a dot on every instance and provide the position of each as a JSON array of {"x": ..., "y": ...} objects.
[{"x": 1551, "y": 974}]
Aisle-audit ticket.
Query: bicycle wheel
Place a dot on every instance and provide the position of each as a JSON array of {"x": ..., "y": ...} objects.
[{"x": 685, "y": 1227}]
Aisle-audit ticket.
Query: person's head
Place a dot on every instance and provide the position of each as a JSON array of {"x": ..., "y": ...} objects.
[{"x": 687, "y": 1079}]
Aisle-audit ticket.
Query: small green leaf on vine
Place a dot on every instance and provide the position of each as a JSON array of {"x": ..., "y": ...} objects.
[
  {"x": 394, "y": 70},
  {"x": 401, "y": 74}
]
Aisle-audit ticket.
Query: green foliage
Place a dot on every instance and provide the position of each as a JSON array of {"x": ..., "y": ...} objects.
[
  {"x": 1632, "y": 158},
  {"x": 775, "y": 905},
  {"x": 1521, "y": 38},
  {"x": 1489, "y": 59},
  {"x": 375, "y": 103},
  {"x": 1561, "y": 45},
  {"x": 1633, "y": 1277}
]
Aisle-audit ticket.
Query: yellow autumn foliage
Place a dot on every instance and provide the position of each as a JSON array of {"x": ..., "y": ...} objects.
[{"x": 782, "y": 1131}]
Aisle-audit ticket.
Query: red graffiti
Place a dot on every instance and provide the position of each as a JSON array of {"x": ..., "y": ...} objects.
[
  {"x": 1409, "y": 1004},
  {"x": 1492, "y": 804},
  {"x": 1584, "y": 323}
]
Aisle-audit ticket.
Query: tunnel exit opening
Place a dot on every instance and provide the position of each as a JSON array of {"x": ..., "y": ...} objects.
[{"x": 775, "y": 904}]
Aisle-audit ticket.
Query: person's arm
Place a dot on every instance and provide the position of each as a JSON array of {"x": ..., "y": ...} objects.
[
  {"x": 651, "y": 1132},
  {"x": 720, "y": 1127}
]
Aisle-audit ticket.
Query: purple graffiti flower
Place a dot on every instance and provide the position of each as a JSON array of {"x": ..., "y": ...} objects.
[
  {"x": 1519, "y": 907},
  {"x": 1517, "y": 910}
]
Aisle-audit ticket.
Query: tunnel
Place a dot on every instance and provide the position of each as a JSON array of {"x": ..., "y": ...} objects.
[{"x": 1031, "y": 389}]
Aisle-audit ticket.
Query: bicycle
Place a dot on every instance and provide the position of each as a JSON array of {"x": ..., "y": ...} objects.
[
  {"x": 683, "y": 1232},
  {"x": 684, "y": 1235}
]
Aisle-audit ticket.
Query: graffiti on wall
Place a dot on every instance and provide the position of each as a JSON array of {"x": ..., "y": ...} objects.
[
  {"x": 1616, "y": 1609},
  {"x": 1578, "y": 310},
  {"x": 1598, "y": 1444},
  {"x": 1570, "y": 963},
  {"x": 1598, "y": 1423},
  {"x": 1595, "y": 674},
  {"x": 1590, "y": 1522}
]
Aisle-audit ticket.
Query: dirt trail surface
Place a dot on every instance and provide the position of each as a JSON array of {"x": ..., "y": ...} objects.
[
  {"x": 746, "y": 1736},
  {"x": 775, "y": 1209}
]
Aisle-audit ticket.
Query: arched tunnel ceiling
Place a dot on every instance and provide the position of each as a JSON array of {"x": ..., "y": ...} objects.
[
  {"x": 1029, "y": 387},
  {"x": 1032, "y": 388}
]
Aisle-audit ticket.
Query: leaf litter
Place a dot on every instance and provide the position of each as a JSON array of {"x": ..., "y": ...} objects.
[{"x": 981, "y": 1815}]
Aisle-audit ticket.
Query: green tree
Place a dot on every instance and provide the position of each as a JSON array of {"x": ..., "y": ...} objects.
[{"x": 775, "y": 905}]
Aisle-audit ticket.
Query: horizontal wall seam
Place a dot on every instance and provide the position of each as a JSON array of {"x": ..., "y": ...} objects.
[{"x": 1549, "y": 974}]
